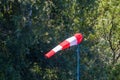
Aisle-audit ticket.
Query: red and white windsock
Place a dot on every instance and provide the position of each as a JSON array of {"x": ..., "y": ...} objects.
[{"x": 74, "y": 40}]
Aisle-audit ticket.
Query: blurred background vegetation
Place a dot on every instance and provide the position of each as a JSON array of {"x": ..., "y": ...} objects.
[{"x": 30, "y": 28}]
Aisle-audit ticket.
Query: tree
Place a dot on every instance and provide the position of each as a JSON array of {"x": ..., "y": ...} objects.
[{"x": 28, "y": 29}]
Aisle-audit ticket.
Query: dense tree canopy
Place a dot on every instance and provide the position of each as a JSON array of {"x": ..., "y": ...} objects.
[{"x": 30, "y": 28}]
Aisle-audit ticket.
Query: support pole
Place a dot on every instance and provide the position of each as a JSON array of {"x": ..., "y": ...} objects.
[{"x": 78, "y": 62}]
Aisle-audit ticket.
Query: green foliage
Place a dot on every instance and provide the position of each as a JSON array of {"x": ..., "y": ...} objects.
[{"x": 30, "y": 28}]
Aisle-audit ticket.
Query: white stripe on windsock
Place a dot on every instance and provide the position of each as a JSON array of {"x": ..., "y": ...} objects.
[
  {"x": 57, "y": 48},
  {"x": 72, "y": 40}
]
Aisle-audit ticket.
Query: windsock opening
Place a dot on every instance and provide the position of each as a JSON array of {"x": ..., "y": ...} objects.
[{"x": 79, "y": 37}]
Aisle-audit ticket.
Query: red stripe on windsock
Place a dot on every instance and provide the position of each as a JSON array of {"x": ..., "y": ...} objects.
[
  {"x": 49, "y": 54},
  {"x": 79, "y": 37},
  {"x": 65, "y": 44}
]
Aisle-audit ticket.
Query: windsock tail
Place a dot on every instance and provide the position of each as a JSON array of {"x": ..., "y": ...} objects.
[
  {"x": 53, "y": 51},
  {"x": 49, "y": 54}
]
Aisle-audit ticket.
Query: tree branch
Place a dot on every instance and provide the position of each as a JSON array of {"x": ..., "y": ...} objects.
[
  {"x": 118, "y": 57},
  {"x": 110, "y": 42}
]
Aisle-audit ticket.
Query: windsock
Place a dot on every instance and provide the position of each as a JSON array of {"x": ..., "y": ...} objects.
[{"x": 74, "y": 40}]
